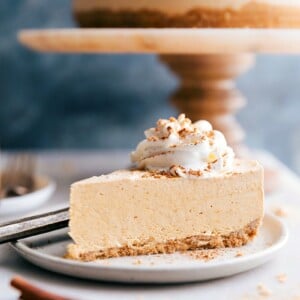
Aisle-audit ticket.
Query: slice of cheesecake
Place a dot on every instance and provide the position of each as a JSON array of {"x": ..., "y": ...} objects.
[
  {"x": 187, "y": 193},
  {"x": 141, "y": 212}
]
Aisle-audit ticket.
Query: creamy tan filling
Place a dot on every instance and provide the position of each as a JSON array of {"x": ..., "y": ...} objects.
[{"x": 111, "y": 213}]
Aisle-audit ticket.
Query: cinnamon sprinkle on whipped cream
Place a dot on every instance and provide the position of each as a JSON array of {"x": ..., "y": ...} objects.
[{"x": 184, "y": 149}]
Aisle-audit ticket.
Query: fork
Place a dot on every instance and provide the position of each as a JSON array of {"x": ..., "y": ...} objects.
[
  {"x": 18, "y": 176},
  {"x": 34, "y": 225}
]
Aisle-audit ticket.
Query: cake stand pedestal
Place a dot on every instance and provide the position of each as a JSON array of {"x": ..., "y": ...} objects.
[
  {"x": 206, "y": 60},
  {"x": 208, "y": 90}
]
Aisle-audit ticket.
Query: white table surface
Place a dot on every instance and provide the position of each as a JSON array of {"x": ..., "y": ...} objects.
[{"x": 66, "y": 167}]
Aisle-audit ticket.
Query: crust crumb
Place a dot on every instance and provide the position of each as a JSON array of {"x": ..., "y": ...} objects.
[
  {"x": 137, "y": 262},
  {"x": 281, "y": 278},
  {"x": 280, "y": 212},
  {"x": 205, "y": 255},
  {"x": 239, "y": 254},
  {"x": 263, "y": 290}
]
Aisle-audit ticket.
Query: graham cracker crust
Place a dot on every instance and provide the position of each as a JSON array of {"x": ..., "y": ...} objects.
[
  {"x": 197, "y": 242},
  {"x": 252, "y": 15}
]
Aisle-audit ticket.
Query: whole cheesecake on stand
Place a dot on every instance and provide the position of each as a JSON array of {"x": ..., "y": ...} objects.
[
  {"x": 188, "y": 13},
  {"x": 207, "y": 89}
]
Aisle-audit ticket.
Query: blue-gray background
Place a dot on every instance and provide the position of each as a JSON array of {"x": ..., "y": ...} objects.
[{"x": 50, "y": 101}]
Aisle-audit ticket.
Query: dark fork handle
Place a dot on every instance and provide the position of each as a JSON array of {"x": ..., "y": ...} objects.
[{"x": 34, "y": 225}]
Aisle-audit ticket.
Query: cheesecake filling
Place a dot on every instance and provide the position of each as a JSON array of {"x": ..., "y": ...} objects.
[{"x": 185, "y": 149}]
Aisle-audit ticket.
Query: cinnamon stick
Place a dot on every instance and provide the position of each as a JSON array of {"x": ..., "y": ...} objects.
[{"x": 31, "y": 292}]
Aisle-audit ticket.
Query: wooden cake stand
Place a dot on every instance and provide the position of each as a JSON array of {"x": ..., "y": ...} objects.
[{"x": 206, "y": 60}]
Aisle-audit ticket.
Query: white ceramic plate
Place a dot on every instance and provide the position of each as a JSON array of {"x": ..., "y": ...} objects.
[
  {"x": 47, "y": 250},
  {"x": 15, "y": 205}
]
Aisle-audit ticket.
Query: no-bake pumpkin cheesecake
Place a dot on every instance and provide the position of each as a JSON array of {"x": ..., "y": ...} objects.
[
  {"x": 188, "y": 13},
  {"x": 187, "y": 192}
]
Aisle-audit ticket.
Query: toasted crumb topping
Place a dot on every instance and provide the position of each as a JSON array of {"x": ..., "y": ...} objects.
[{"x": 174, "y": 172}]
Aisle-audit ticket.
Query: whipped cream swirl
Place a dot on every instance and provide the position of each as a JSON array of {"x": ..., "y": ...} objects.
[{"x": 182, "y": 148}]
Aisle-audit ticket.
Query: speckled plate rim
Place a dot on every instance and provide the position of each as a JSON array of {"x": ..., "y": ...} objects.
[{"x": 264, "y": 255}]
